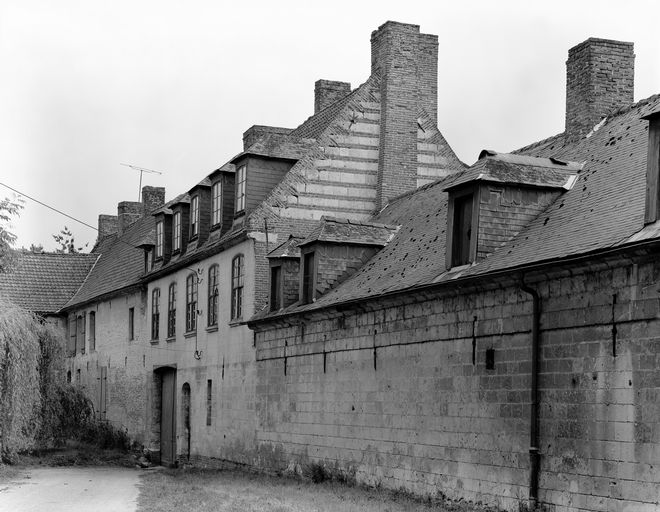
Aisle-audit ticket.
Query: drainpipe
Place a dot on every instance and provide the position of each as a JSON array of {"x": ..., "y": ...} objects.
[{"x": 534, "y": 455}]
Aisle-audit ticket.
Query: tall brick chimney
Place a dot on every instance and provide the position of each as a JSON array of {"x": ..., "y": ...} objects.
[
  {"x": 152, "y": 198},
  {"x": 600, "y": 76},
  {"x": 108, "y": 225},
  {"x": 407, "y": 62},
  {"x": 128, "y": 212},
  {"x": 327, "y": 92}
]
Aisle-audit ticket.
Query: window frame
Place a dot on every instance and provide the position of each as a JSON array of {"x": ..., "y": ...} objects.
[
  {"x": 308, "y": 280},
  {"x": 92, "y": 331},
  {"x": 216, "y": 204},
  {"x": 131, "y": 324},
  {"x": 212, "y": 310},
  {"x": 171, "y": 310},
  {"x": 191, "y": 303},
  {"x": 237, "y": 286},
  {"x": 159, "y": 239},
  {"x": 155, "y": 314},
  {"x": 454, "y": 197},
  {"x": 240, "y": 192},
  {"x": 276, "y": 287},
  {"x": 209, "y": 402},
  {"x": 194, "y": 216},
  {"x": 176, "y": 232}
]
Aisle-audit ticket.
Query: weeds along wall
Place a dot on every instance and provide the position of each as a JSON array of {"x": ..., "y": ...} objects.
[{"x": 431, "y": 392}]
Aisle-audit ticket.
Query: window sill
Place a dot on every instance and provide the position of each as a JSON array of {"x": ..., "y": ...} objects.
[
  {"x": 155, "y": 342},
  {"x": 236, "y": 322},
  {"x": 170, "y": 339},
  {"x": 212, "y": 328},
  {"x": 190, "y": 334},
  {"x": 216, "y": 227}
]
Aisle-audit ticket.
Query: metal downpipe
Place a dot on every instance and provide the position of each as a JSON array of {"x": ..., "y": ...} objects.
[{"x": 534, "y": 455}]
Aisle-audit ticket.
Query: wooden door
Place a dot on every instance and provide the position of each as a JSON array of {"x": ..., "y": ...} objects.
[{"x": 168, "y": 418}]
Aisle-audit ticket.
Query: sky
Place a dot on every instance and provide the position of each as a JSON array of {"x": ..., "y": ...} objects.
[{"x": 171, "y": 86}]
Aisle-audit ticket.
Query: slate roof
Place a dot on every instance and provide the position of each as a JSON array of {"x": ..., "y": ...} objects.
[
  {"x": 338, "y": 230},
  {"x": 120, "y": 264},
  {"x": 604, "y": 209},
  {"x": 44, "y": 282}
]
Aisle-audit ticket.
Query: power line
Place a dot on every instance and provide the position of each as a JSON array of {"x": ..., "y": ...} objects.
[{"x": 49, "y": 207}]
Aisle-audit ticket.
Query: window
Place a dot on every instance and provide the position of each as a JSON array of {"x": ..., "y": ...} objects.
[
  {"x": 213, "y": 295},
  {"x": 191, "y": 303},
  {"x": 171, "y": 311},
  {"x": 92, "y": 331},
  {"x": 275, "y": 288},
  {"x": 308, "y": 278},
  {"x": 194, "y": 216},
  {"x": 159, "y": 239},
  {"x": 237, "y": 287},
  {"x": 209, "y": 399},
  {"x": 176, "y": 233},
  {"x": 462, "y": 230},
  {"x": 80, "y": 334},
  {"x": 241, "y": 178},
  {"x": 131, "y": 323},
  {"x": 216, "y": 205},
  {"x": 652, "y": 211},
  {"x": 155, "y": 313}
]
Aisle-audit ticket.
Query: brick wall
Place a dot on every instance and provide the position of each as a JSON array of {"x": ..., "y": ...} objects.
[
  {"x": 421, "y": 410},
  {"x": 327, "y": 92},
  {"x": 599, "y": 80}
]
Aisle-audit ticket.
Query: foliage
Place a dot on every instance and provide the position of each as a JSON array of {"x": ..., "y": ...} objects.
[
  {"x": 37, "y": 249},
  {"x": 20, "y": 399},
  {"x": 316, "y": 472},
  {"x": 8, "y": 208},
  {"x": 67, "y": 242}
]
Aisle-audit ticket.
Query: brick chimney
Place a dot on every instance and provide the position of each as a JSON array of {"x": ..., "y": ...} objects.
[
  {"x": 600, "y": 76},
  {"x": 128, "y": 212},
  {"x": 108, "y": 225},
  {"x": 407, "y": 62},
  {"x": 152, "y": 198},
  {"x": 255, "y": 132},
  {"x": 327, "y": 92}
]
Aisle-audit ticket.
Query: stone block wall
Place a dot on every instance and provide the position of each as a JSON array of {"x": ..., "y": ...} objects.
[{"x": 400, "y": 395}]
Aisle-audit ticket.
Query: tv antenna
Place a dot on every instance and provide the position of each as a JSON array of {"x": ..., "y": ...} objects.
[{"x": 141, "y": 169}]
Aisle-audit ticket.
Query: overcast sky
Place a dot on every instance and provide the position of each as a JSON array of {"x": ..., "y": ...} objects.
[{"x": 172, "y": 85}]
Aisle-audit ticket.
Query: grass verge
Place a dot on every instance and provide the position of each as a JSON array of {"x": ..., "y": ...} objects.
[{"x": 202, "y": 490}]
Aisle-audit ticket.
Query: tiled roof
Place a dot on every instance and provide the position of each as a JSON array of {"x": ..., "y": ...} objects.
[
  {"x": 287, "y": 249},
  {"x": 315, "y": 125},
  {"x": 44, "y": 282},
  {"x": 520, "y": 170},
  {"x": 337, "y": 230},
  {"x": 603, "y": 209},
  {"x": 120, "y": 265}
]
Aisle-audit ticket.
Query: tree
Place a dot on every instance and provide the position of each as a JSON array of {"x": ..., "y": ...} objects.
[
  {"x": 67, "y": 242},
  {"x": 8, "y": 208}
]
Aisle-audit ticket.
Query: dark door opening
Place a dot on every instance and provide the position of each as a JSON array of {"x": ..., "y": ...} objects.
[{"x": 168, "y": 418}]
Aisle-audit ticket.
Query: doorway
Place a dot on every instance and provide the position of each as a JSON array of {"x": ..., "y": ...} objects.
[
  {"x": 185, "y": 418},
  {"x": 168, "y": 417}
]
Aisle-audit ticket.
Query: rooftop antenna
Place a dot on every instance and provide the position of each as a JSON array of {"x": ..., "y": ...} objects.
[{"x": 141, "y": 169}]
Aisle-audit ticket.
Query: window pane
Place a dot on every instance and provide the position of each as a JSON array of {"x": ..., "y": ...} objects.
[
  {"x": 159, "y": 240},
  {"x": 194, "y": 216},
  {"x": 237, "y": 287},
  {"x": 241, "y": 177},
  {"x": 216, "y": 193},
  {"x": 171, "y": 311},
  {"x": 176, "y": 233}
]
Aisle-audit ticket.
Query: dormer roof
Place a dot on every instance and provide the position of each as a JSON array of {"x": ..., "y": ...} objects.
[
  {"x": 346, "y": 231},
  {"x": 514, "y": 169},
  {"x": 288, "y": 249}
]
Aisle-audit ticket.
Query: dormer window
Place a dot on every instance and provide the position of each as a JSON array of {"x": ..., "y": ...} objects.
[
  {"x": 176, "y": 232},
  {"x": 241, "y": 180},
  {"x": 461, "y": 251},
  {"x": 159, "y": 239},
  {"x": 308, "y": 278},
  {"x": 275, "y": 287},
  {"x": 216, "y": 204},
  {"x": 194, "y": 216},
  {"x": 652, "y": 212}
]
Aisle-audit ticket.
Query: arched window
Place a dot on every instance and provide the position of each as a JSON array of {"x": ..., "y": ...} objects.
[
  {"x": 237, "y": 282},
  {"x": 191, "y": 303},
  {"x": 155, "y": 313},
  {"x": 213, "y": 295},
  {"x": 171, "y": 311}
]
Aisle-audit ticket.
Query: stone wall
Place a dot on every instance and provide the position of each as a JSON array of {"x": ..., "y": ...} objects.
[{"x": 399, "y": 394}]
